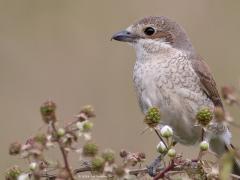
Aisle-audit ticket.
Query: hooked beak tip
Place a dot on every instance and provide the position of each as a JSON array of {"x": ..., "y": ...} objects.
[{"x": 124, "y": 36}]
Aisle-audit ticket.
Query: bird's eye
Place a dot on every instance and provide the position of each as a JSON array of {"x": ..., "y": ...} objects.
[{"x": 149, "y": 31}]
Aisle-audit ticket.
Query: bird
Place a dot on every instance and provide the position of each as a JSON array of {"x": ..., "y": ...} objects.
[{"x": 169, "y": 74}]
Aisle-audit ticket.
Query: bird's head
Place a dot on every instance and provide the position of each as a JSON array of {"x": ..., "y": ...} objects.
[{"x": 153, "y": 33}]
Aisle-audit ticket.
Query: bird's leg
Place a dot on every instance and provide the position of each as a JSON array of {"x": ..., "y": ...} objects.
[{"x": 152, "y": 168}]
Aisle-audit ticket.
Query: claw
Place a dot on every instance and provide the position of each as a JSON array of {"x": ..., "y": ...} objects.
[
  {"x": 151, "y": 171},
  {"x": 155, "y": 165}
]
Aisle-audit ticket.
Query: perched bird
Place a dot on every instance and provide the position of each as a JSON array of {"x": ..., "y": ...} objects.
[{"x": 170, "y": 75}]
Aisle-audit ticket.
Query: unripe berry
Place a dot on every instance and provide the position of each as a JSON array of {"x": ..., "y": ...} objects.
[
  {"x": 61, "y": 132},
  {"x": 204, "y": 145},
  {"x": 87, "y": 126},
  {"x": 171, "y": 153}
]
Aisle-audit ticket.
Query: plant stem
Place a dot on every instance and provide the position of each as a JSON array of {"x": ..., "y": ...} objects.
[
  {"x": 161, "y": 138},
  {"x": 65, "y": 159},
  {"x": 161, "y": 174}
]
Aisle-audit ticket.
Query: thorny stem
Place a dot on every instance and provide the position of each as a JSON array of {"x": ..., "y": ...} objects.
[
  {"x": 65, "y": 159},
  {"x": 71, "y": 123},
  {"x": 77, "y": 120},
  {"x": 88, "y": 169},
  {"x": 170, "y": 169}
]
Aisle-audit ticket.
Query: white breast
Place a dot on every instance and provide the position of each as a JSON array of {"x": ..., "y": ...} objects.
[{"x": 167, "y": 81}]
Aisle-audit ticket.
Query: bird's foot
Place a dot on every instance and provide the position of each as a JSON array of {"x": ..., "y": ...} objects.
[{"x": 154, "y": 166}]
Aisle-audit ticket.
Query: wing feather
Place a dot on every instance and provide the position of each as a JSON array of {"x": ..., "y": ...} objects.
[{"x": 207, "y": 81}]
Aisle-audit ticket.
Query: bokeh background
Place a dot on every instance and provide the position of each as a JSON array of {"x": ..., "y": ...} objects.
[{"x": 61, "y": 50}]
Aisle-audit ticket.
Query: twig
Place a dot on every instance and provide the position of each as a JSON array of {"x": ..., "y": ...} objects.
[
  {"x": 63, "y": 153},
  {"x": 89, "y": 169},
  {"x": 171, "y": 169},
  {"x": 161, "y": 138}
]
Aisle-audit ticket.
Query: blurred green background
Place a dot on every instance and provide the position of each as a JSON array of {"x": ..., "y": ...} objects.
[{"x": 61, "y": 50}]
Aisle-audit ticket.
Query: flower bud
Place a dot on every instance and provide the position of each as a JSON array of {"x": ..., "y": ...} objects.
[
  {"x": 98, "y": 164},
  {"x": 90, "y": 149},
  {"x": 166, "y": 131},
  {"x": 161, "y": 148},
  {"x": 15, "y": 148},
  {"x": 60, "y": 132},
  {"x": 141, "y": 156},
  {"x": 204, "y": 116},
  {"x": 152, "y": 117},
  {"x": 87, "y": 126},
  {"x": 171, "y": 153},
  {"x": 41, "y": 139},
  {"x": 88, "y": 111},
  {"x": 33, "y": 166},
  {"x": 204, "y": 145},
  {"x": 123, "y": 153},
  {"x": 48, "y": 112},
  {"x": 109, "y": 156}
]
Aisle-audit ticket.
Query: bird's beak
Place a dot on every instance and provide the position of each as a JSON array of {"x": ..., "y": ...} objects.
[{"x": 125, "y": 36}]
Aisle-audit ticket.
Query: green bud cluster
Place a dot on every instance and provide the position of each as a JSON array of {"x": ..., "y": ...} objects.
[
  {"x": 109, "y": 156},
  {"x": 90, "y": 149},
  {"x": 40, "y": 138},
  {"x": 48, "y": 112},
  {"x": 152, "y": 117},
  {"x": 204, "y": 116},
  {"x": 98, "y": 164}
]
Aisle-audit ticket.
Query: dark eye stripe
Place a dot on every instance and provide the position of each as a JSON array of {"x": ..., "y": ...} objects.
[
  {"x": 160, "y": 34},
  {"x": 149, "y": 31}
]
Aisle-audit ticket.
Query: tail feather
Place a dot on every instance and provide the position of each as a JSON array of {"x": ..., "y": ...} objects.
[
  {"x": 218, "y": 146},
  {"x": 236, "y": 167},
  {"x": 236, "y": 161}
]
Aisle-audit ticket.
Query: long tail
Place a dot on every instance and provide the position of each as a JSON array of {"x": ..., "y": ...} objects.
[{"x": 236, "y": 162}]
